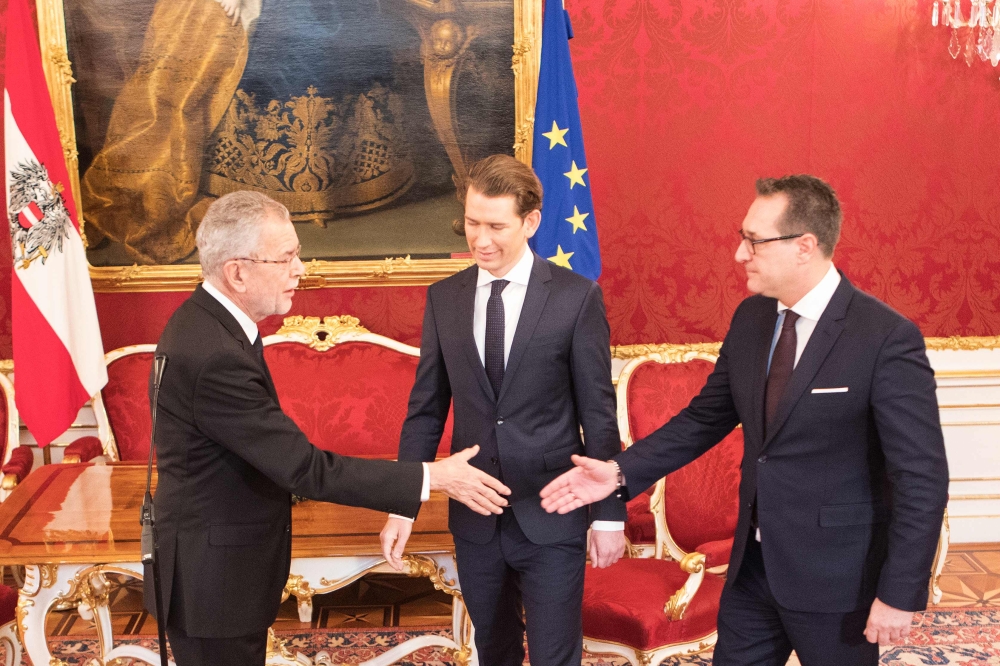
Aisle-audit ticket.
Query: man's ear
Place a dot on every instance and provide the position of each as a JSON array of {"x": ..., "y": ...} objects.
[
  {"x": 808, "y": 246},
  {"x": 232, "y": 274},
  {"x": 531, "y": 222}
]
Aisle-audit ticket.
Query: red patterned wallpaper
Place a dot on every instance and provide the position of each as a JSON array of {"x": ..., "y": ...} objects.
[{"x": 686, "y": 102}]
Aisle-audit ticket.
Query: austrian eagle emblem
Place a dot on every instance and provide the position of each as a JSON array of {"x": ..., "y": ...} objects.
[{"x": 39, "y": 220}]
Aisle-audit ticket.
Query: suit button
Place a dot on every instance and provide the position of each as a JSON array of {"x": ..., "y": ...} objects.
[
  {"x": 493, "y": 460},
  {"x": 500, "y": 421},
  {"x": 762, "y": 459}
]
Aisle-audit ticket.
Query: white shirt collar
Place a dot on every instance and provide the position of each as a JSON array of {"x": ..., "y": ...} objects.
[
  {"x": 245, "y": 322},
  {"x": 812, "y": 305},
  {"x": 520, "y": 273}
]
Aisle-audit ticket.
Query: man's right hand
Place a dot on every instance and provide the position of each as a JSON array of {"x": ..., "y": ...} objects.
[
  {"x": 474, "y": 488},
  {"x": 394, "y": 536},
  {"x": 589, "y": 481}
]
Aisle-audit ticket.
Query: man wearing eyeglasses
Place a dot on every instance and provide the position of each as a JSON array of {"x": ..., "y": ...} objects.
[
  {"x": 229, "y": 459},
  {"x": 844, "y": 473}
]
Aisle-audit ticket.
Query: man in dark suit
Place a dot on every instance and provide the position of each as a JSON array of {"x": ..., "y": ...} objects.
[
  {"x": 844, "y": 473},
  {"x": 522, "y": 348},
  {"x": 228, "y": 458}
]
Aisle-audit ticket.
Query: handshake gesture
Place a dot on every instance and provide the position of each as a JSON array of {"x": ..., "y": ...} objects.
[{"x": 457, "y": 479}]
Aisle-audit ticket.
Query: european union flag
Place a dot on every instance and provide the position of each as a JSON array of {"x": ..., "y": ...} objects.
[{"x": 568, "y": 233}]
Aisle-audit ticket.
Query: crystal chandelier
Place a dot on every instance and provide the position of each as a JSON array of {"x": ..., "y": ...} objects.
[{"x": 981, "y": 38}]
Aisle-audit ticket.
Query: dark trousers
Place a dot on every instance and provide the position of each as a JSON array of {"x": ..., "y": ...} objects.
[
  {"x": 243, "y": 651},
  {"x": 249, "y": 650},
  {"x": 754, "y": 630},
  {"x": 509, "y": 572}
]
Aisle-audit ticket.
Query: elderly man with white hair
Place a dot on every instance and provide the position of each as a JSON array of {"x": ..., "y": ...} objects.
[{"x": 229, "y": 459}]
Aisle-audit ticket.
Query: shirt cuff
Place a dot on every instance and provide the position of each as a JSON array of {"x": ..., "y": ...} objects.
[
  {"x": 608, "y": 525},
  {"x": 425, "y": 488},
  {"x": 425, "y": 492}
]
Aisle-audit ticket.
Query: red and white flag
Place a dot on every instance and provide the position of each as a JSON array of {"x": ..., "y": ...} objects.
[{"x": 58, "y": 355}]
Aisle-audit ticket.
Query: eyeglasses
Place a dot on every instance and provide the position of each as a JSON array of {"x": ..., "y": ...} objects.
[
  {"x": 750, "y": 242},
  {"x": 289, "y": 260}
]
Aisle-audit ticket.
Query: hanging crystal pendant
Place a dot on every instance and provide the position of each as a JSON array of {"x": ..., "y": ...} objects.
[
  {"x": 946, "y": 15},
  {"x": 953, "y": 46},
  {"x": 973, "y": 14},
  {"x": 970, "y": 48},
  {"x": 983, "y": 14},
  {"x": 984, "y": 43},
  {"x": 995, "y": 49},
  {"x": 996, "y": 15},
  {"x": 935, "y": 14},
  {"x": 956, "y": 15}
]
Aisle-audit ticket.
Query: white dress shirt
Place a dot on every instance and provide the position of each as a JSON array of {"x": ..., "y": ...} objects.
[
  {"x": 250, "y": 328},
  {"x": 513, "y": 301},
  {"x": 809, "y": 309}
]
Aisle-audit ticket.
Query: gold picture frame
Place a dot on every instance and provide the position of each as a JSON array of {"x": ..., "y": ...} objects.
[{"x": 392, "y": 271}]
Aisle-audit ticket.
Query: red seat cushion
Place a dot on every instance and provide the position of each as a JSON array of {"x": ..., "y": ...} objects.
[
  {"x": 351, "y": 399},
  {"x": 126, "y": 401},
  {"x": 624, "y": 604},
  {"x": 640, "y": 525},
  {"x": 8, "y": 603}
]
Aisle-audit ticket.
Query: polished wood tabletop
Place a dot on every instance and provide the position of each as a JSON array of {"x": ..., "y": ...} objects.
[{"x": 90, "y": 513}]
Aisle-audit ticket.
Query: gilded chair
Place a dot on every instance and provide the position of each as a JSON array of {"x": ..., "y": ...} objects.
[
  {"x": 17, "y": 460},
  {"x": 121, "y": 410},
  {"x": 649, "y": 609},
  {"x": 346, "y": 388}
]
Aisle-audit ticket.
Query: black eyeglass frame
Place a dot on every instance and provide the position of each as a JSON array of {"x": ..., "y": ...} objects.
[{"x": 753, "y": 243}]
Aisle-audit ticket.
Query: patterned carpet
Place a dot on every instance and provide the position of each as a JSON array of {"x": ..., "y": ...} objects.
[
  {"x": 953, "y": 637},
  {"x": 365, "y": 618}
]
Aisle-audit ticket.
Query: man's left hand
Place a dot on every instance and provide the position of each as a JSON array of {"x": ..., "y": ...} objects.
[
  {"x": 887, "y": 625},
  {"x": 606, "y": 548}
]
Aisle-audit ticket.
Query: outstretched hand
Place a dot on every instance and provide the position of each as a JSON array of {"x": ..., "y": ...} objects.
[
  {"x": 472, "y": 487},
  {"x": 590, "y": 481}
]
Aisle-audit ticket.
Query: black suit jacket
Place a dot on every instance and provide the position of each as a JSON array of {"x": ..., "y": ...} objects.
[
  {"x": 228, "y": 460},
  {"x": 850, "y": 486},
  {"x": 557, "y": 379}
]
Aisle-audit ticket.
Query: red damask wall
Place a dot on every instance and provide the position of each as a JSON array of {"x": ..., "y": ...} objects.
[{"x": 686, "y": 102}]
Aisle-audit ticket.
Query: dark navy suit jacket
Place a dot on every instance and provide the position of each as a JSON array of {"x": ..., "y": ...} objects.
[
  {"x": 557, "y": 380},
  {"x": 850, "y": 486}
]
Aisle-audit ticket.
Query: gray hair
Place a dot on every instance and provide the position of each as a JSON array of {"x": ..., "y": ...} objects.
[{"x": 231, "y": 228}]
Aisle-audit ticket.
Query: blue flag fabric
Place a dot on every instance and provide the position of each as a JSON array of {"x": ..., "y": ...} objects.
[{"x": 568, "y": 233}]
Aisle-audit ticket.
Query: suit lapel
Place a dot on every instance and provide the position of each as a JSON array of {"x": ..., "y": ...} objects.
[
  {"x": 466, "y": 315},
  {"x": 219, "y": 311},
  {"x": 761, "y": 352},
  {"x": 534, "y": 303},
  {"x": 828, "y": 329}
]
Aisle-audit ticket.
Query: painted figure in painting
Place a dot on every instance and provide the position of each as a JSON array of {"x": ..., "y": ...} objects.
[{"x": 323, "y": 105}]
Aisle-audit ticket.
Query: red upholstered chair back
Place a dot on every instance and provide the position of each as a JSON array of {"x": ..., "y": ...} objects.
[
  {"x": 122, "y": 410},
  {"x": 701, "y": 500},
  {"x": 347, "y": 389}
]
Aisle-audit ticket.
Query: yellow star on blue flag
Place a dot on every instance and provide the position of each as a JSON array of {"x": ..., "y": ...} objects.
[{"x": 558, "y": 156}]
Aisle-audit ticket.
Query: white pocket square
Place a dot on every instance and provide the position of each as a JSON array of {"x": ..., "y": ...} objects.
[{"x": 839, "y": 389}]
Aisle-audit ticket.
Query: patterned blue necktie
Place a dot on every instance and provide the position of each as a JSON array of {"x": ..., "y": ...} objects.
[{"x": 495, "y": 336}]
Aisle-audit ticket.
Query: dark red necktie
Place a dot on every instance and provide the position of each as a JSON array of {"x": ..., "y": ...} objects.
[{"x": 782, "y": 364}]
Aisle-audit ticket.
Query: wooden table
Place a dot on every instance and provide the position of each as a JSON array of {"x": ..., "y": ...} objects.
[{"x": 70, "y": 524}]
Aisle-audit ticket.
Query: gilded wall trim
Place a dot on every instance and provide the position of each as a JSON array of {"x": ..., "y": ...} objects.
[
  {"x": 959, "y": 343},
  {"x": 398, "y": 271}
]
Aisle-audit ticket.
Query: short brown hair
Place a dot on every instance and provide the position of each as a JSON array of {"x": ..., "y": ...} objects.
[
  {"x": 812, "y": 208},
  {"x": 502, "y": 176}
]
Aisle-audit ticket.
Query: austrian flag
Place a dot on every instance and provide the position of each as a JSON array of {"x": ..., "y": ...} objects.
[{"x": 58, "y": 355}]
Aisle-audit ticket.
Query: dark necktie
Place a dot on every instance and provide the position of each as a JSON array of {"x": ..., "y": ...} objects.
[
  {"x": 258, "y": 348},
  {"x": 495, "y": 336},
  {"x": 782, "y": 364}
]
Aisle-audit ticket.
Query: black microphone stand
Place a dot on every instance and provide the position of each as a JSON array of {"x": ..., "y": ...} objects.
[{"x": 148, "y": 539}]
